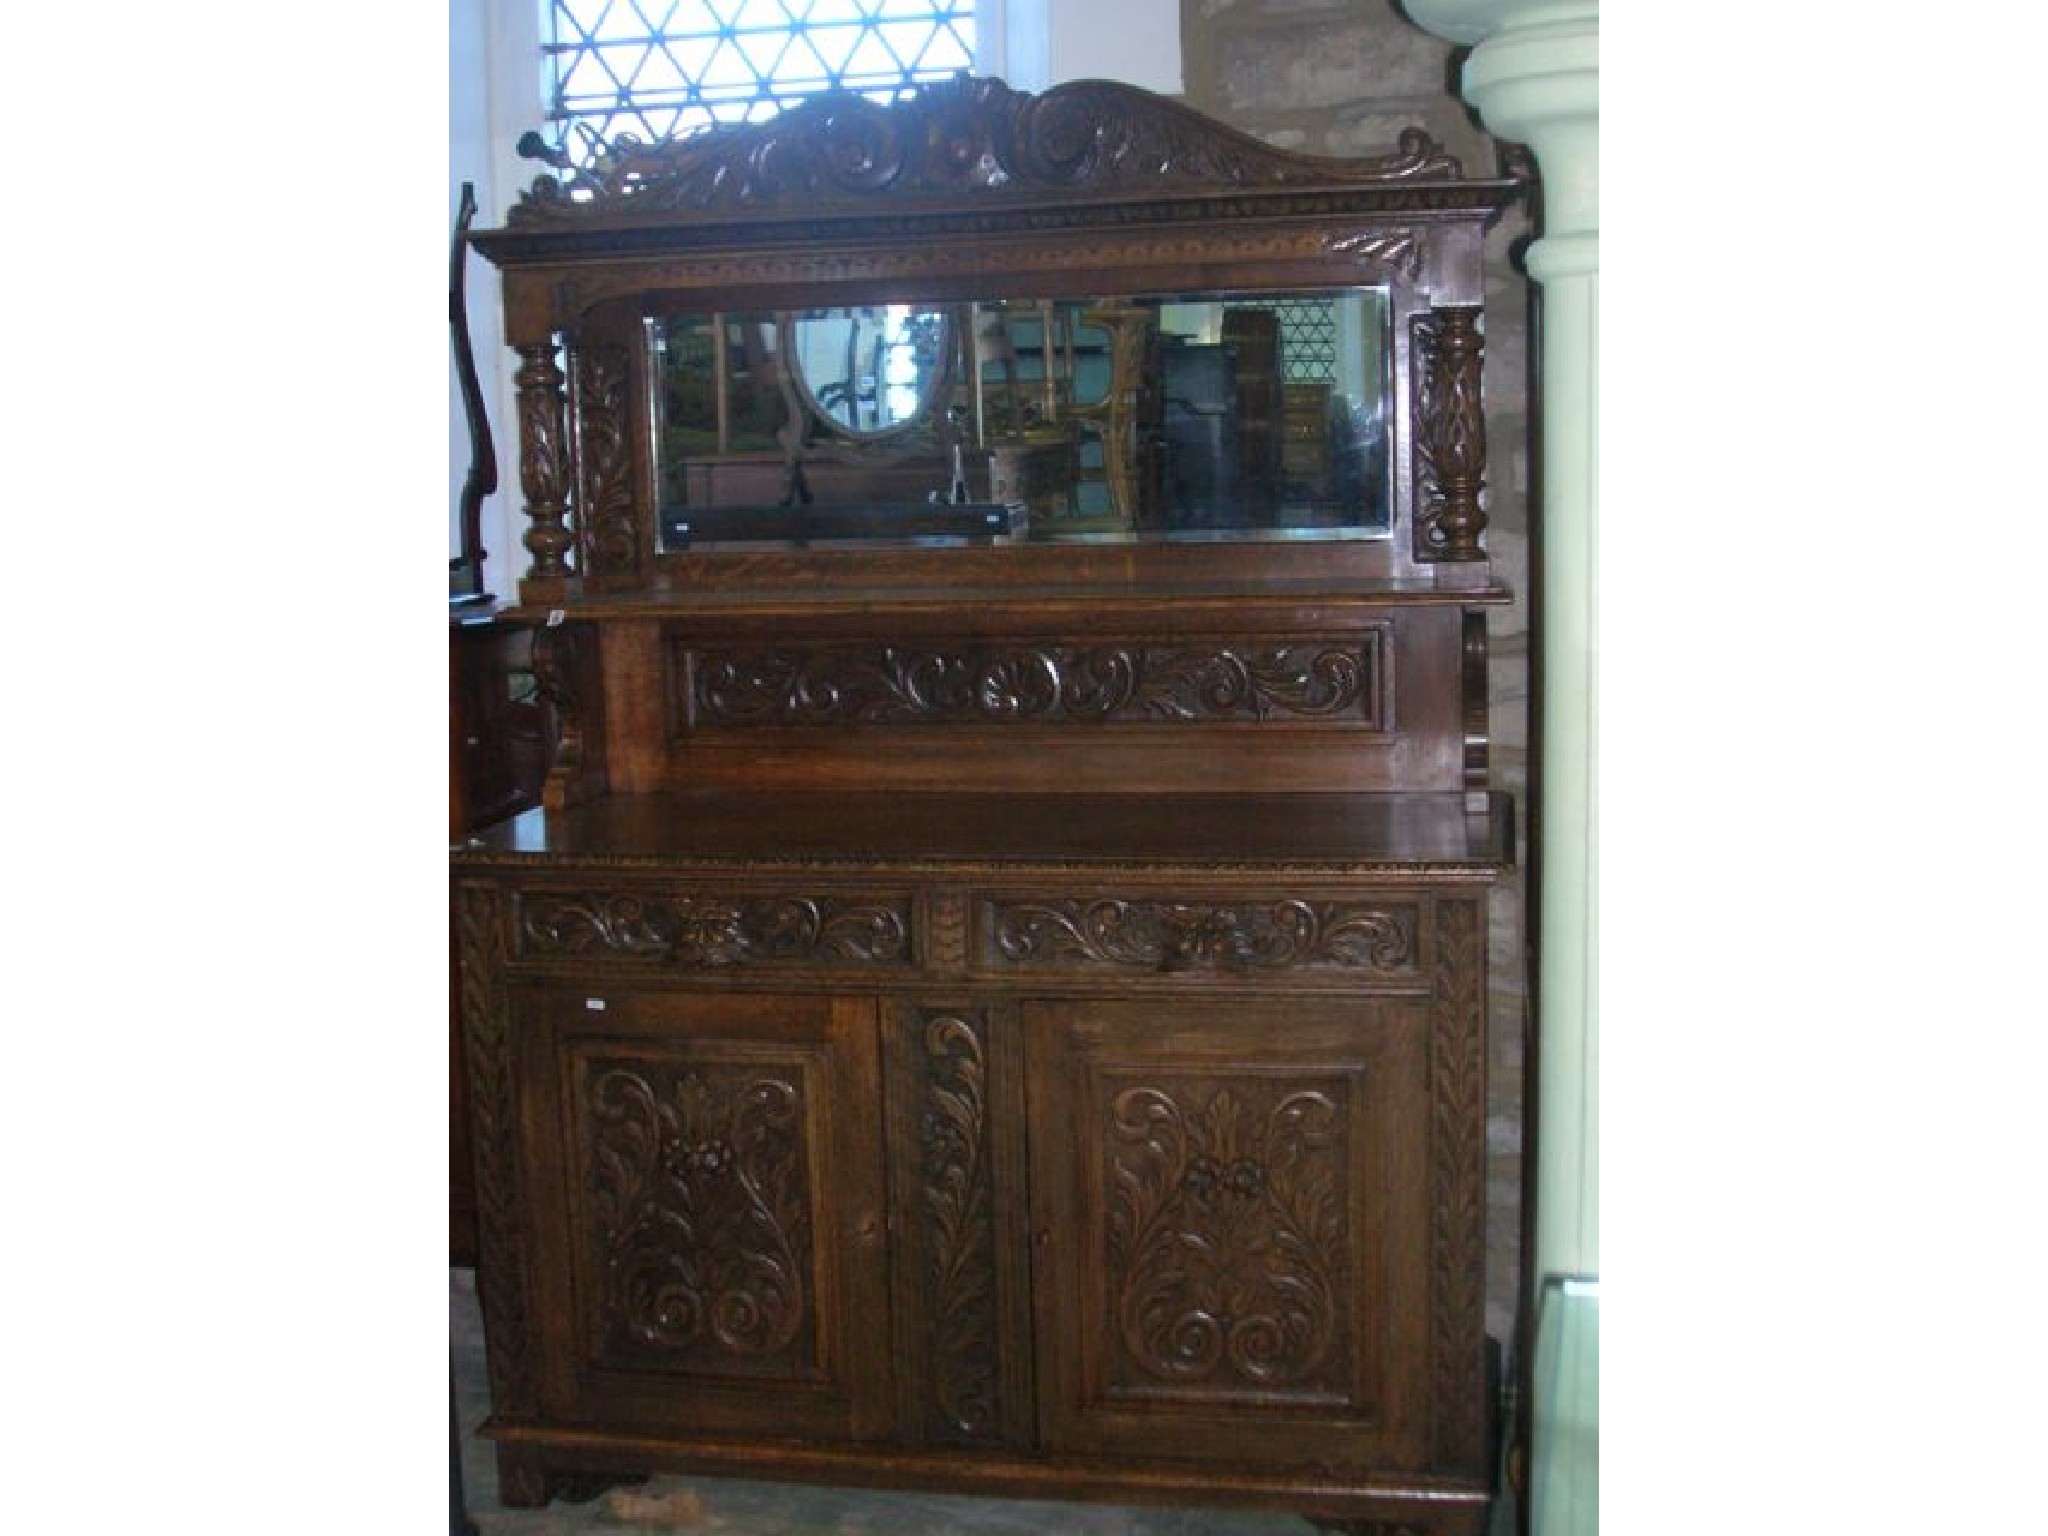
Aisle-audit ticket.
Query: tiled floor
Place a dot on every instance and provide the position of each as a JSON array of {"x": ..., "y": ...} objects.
[{"x": 730, "y": 1508}]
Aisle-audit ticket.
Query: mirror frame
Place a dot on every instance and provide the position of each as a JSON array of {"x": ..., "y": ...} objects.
[{"x": 963, "y": 191}]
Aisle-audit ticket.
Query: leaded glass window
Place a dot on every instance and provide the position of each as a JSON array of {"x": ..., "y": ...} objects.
[
  {"x": 652, "y": 68},
  {"x": 1308, "y": 340}
]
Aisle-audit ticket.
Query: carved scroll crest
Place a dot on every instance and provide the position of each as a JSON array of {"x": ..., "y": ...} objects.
[{"x": 964, "y": 135}]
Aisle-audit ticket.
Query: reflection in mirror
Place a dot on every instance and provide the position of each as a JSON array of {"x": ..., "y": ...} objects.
[
  {"x": 1185, "y": 416},
  {"x": 871, "y": 370}
]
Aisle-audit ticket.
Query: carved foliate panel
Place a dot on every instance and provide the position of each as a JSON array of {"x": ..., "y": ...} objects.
[
  {"x": 1228, "y": 1269},
  {"x": 1082, "y": 933},
  {"x": 700, "y": 1234},
  {"x": 1257, "y": 680},
  {"x": 956, "y": 1231},
  {"x": 710, "y": 929},
  {"x": 608, "y": 526}
]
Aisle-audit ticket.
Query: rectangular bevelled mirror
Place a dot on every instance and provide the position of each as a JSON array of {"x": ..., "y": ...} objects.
[{"x": 1159, "y": 417}]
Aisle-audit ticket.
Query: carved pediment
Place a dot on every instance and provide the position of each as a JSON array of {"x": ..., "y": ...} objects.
[{"x": 963, "y": 137}]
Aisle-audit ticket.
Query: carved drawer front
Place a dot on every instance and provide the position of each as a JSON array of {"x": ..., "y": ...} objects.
[
  {"x": 711, "y": 1226},
  {"x": 1349, "y": 939},
  {"x": 706, "y": 927},
  {"x": 1231, "y": 1229}
]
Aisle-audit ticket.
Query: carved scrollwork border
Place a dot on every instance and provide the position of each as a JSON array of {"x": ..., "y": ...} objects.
[
  {"x": 1248, "y": 680},
  {"x": 712, "y": 929},
  {"x": 1230, "y": 937}
]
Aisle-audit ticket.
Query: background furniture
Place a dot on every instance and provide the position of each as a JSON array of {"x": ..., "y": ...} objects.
[{"x": 1001, "y": 1013}]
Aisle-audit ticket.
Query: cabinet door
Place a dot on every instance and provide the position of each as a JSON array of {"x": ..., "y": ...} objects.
[
  {"x": 709, "y": 1185},
  {"x": 1230, "y": 1214}
]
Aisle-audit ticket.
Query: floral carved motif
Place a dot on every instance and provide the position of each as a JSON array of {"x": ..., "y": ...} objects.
[
  {"x": 958, "y": 1230},
  {"x": 702, "y": 1213},
  {"x": 713, "y": 930},
  {"x": 611, "y": 544},
  {"x": 1450, "y": 439},
  {"x": 1226, "y": 1235},
  {"x": 1175, "y": 936},
  {"x": 962, "y": 136},
  {"x": 1253, "y": 680}
]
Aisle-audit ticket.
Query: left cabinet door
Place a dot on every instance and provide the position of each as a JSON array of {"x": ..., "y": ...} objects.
[{"x": 707, "y": 1182}]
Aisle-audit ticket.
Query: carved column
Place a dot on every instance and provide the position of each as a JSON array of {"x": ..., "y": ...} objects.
[
  {"x": 1450, "y": 453},
  {"x": 1534, "y": 77},
  {"x": 543, "y": 470}
]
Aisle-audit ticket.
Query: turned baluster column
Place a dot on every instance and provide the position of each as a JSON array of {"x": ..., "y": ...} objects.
[
  {"x": 1451, "y": 451},
  {"x": 543, "y": 470}
]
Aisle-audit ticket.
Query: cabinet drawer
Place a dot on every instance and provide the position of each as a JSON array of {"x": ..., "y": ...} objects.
[
  {"x": 1348, "y": 938},
  {"x": 708, "y": 927}
]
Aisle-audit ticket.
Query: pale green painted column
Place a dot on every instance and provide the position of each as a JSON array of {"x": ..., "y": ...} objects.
[{"x": 1534, "y": 77}]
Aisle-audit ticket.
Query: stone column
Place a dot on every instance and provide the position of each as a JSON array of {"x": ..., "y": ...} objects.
[{"x": 1534, "y": 77}]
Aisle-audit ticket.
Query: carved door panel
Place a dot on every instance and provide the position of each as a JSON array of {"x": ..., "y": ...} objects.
[
  {"x": 1231, "y": 1229},
  {"x": 711, "y": 1236}
]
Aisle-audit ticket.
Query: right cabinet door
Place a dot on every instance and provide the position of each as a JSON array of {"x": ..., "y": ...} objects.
[{"x": 1231, "y": 1212}]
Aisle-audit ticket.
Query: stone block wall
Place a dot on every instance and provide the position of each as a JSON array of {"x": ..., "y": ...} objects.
[{"x": 1344, "y": 77}]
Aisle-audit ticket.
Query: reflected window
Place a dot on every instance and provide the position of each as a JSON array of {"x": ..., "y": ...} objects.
[{"x": 657, "y": 68}]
